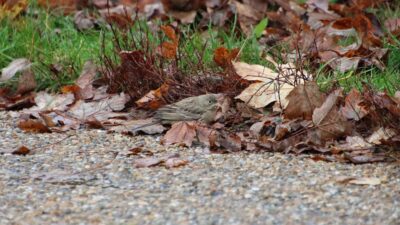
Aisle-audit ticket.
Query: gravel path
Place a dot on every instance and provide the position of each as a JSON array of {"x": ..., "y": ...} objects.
[{"x": 89, "y": 179}]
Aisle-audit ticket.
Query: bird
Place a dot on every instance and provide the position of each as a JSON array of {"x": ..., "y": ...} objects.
[{"x": 201, "y": 108}]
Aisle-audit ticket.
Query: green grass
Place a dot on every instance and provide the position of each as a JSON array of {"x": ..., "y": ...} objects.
[{"x": 48, "y": 39}]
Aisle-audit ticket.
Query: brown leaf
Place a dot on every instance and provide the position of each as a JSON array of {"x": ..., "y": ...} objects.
[
  {"x": 22, "y": 150},
  {"x": 12, "y": 8},
  {"x": 261, "y": 94},
  {"x": 355, "y": 107},
  {"x": 206, "y": 135},
  {"x": 14, "y": 67},
  {"x": 101, "y": 110},
  {"x": 47, "y": 102},
  {"x": 169, "y": 161},
  {"x": 381, "y": 135},
  {"x": 230, "y": 142},
  {"x": 154, "y": 99},
  {"x": 134, "y": 151},
  {"x": 175, "y": 162},
  {"x": 61, "y": 120},
  {"x": 329, "y": 122},
  {"x": 148, "y": 162},
  {"x": 182, "y": 133},
  {"x": 393, "y": 26},
  {"x": 65, "y": 6},
  {"x": 26, "y": 82},
  {"x": 303, "y": 100},
  {"x": 184, "y": 17},
  {"x": 33, "y": 126},
  {"x": 223, "y": 57},
  {"x": 169, "y": 48},
  {"x": 147, "y": 126},
  {"x": 248, "y": 16},
  {"x": 85, "y": 81},
  {"x": 359, "y": 180}
]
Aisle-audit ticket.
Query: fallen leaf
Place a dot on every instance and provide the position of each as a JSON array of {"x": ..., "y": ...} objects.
[
  {"x": 182, "y": 133},
  {"x": 148, "y": 162},
  {"x": 230, "y": 142},
  {"x": 382, "y": 134},
  {"x": 47, "y": 102},
  {"x": 223, "y": 57},
  {"x": 59, "y": 121},
  {"x": 364, "y": 158},
  {"x": 184, "y": 17},
  {"x": 147, "y": 126},
  {"x": 65, "y": 6},
  {"x": 85, "y": 80},
  {"x": 26, "y": 82},
  {"x": 303, "y": 100},
  {"x": 134, "y": 151},
  {"x": 393, "y": 26},
  {"x": 206, "y": 135},
  {"x": 101, "y": 110},
  {"x": 175, "y": 162},
  {"x": 248, "y": 17},
  {"x": 13, "y": 68},
  {"x": 33, "y": 126},
  {"x": 84, "y": 21},
  {"x": 329, "y": 122},
  {"x": 359, "y": 180},
  {"x": 12, "y": 8},
  {"x": 355, "y": 106},
  {"x": 268, "y": 90},
  {"x": 169, "y": 48},
  {"x": 22, "y": 150},
  {"x": 154, "y": 99},
  {"x": 167, "y": 161}
]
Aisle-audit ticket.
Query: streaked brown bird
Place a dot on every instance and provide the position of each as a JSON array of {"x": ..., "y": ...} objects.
[{"x": 200, "y": 108}]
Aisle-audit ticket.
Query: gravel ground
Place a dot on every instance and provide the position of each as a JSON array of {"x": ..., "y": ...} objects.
[{"x": 87, "y": 178}]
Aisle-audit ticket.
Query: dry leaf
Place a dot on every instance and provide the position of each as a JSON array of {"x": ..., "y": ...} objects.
[
  {"x": 33, "y": 126},
  {"x": 355, "y": 107},
  {"x": 184, "y": 17},
  {"x": 101, "y": 110},
  {"x": 393, "y": 26},
  {"x": 85, "y": 80},
  {"x": 383, "y": 134},
  {"x": 26, "y": 82},
  {"x": 47, "y": 102},
  {"x": 182, "y": 133},
  {"x": 14, "y": 67},
  {"x": 268, "y": 90},
  {"x": 302, "y": 101},
  {"x": 147, "y": 126},
  {"x": 206, "y": 135},
  {"x": 167, "y": 161},
  {"x": 22, "y": 150},
  {"x": 154, "y": 99},
  {"x": 223, "y": 57},
  {"x": 12, "y": 8},
  {"x": 359, "y": 180},
  {"x": 175, "y": 162},
  {"x": 169, "y": 48},
  {"x": 148, "y": 162},
  {"x": 329, "y": 122}
]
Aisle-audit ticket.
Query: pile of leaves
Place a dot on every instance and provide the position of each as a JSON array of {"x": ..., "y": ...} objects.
[{"x": 279, "y": 109}]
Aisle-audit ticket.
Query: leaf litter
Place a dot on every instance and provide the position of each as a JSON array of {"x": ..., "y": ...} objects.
[{"x": 270, "y": 109}]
